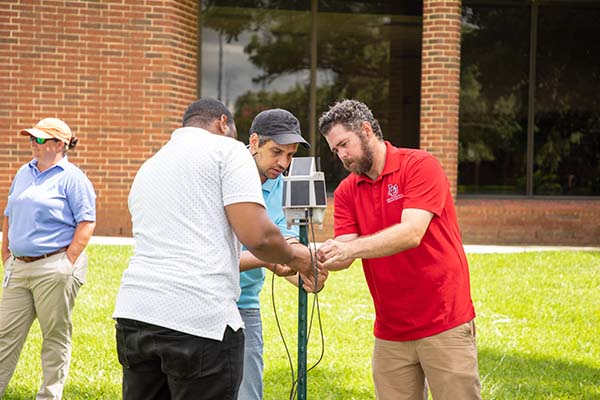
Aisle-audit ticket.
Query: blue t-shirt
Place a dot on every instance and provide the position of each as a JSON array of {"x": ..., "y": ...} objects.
[
  {"x": 44, "y": 208},
  {"x": 251, "y": 281}
]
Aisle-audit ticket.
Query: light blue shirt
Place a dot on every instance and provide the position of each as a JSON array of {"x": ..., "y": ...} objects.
[
  {"x": 44, "y": 208},
  {"x": 251, "y": 281}
]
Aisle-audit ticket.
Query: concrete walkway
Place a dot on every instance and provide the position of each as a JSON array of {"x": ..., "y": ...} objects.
[
  {"x": 469, "y": 248},
  {"x": 114, "y": 240}
]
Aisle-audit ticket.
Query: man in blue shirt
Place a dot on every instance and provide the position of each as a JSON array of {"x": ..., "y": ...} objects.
[{"x": 274, "y": 139}]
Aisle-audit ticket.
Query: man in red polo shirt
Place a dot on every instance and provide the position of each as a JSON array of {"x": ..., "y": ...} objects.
[{"x": 396, "y": 213}]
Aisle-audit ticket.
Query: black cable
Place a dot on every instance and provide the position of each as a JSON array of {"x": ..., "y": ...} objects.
[
  {"x": 287, "y": 350},
  {"x": 315, "y": 301},
  {"x": 313, "y": 260},
  {"x": 279, "y": 328}
]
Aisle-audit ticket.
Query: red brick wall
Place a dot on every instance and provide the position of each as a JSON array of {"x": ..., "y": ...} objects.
[
  {"x": 530, "y": 222},
  {"x": 517, "y": 222},
  {"x": 120, "y": 73}
]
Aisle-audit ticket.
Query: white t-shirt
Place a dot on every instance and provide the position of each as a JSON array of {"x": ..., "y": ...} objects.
[{"x": 184, "y": 274}]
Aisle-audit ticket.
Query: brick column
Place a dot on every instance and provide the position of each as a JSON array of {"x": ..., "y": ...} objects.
[
  {"x": 119, "y": 73},
  {"x": 440, "y": 83}
]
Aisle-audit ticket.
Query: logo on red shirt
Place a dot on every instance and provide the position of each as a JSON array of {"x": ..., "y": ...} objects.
[{"x": 393, "y": 194}]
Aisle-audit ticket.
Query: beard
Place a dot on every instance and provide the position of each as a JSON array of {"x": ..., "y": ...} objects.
[{"x": 363, "y": 164}]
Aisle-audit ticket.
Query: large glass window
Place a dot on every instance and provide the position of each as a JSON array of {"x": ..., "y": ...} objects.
[
  {"x": 529, "y": 110},
  {"x": 567, "y": 102},
  {"x": 256, "y": 55},
  {"x": 493, "y": 100},
  {"x": 256, "y": 58}
]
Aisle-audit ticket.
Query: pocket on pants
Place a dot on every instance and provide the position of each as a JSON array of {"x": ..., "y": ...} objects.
[
  {"x": 7, "y": 272},
  {"x": 473, "y": 328},
  {"x": 9, "y": 262},
  {"x": 121, "y": 345},
  {"x": 188, "y": 357},
  {"x": 80, "y": 268}
]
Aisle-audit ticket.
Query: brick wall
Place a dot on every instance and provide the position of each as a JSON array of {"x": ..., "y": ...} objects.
[
  {"x": 120, "y": 73},
  {"x": 440, "y": 83},
  {"x": 530, "y": 221},
  {"x": 517, "y": 222}
]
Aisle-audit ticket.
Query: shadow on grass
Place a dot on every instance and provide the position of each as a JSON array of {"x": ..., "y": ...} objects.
[
  {"x": 504, "y": 376},
  {"x": 520, "y": 376},
  {"x": 322, "y": 384}
]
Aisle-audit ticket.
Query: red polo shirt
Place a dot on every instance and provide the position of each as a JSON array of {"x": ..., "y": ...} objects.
[{"x": 422, "y": 291}]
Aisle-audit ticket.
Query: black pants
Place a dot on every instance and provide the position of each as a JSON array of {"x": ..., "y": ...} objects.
[{"x": 160, "y": 363}]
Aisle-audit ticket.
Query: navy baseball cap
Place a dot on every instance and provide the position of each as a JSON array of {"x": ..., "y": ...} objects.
[{"x": 280, "y": 125}]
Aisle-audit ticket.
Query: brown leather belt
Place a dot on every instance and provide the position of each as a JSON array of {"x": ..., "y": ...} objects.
[{"x": 29, "y": 259}]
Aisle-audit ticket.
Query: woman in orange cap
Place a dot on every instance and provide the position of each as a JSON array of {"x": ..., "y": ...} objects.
[{"x": 49, "y": 219}]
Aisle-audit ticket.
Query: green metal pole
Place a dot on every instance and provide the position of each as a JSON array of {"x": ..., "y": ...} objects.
[{"x": 302, "y": 326}]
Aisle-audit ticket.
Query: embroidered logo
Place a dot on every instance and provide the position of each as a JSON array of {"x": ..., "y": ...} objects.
[{"x": 393, "y": 194}]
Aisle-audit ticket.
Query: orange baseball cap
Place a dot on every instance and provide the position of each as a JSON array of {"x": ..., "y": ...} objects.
[{"x": 50, "y": 128}]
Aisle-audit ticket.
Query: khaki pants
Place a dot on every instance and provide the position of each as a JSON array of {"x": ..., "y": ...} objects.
[
  {"x": 446, "y": 362},
  {"x": 45, "y": 289}
]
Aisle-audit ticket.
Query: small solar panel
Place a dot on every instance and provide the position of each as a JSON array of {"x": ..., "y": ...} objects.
[
  {"x": 320, "y": 198},
  {"x": 301, "y": 166},
  {"x": 304, "y": 190},
  {"x": 300, "y": 194},
  {"x": 283, "y": 198}
]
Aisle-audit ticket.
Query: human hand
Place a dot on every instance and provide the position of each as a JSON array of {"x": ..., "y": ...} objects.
[
  {"x": 308, "y": 280},
  {"x": 281, "y": 269},
  {"x": 71, "y": 258},
  {"x": 302, "y": 260},
  {"x": 320, "y": 255},
  {"x": 333, "y": 251}
]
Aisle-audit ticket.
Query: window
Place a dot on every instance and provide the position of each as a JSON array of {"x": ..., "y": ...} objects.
[
  {"x": 493, "y": 100},
  {"x": 255, "y": 58},
  {"x": 529, "y": 110},
  {"x": 256, "y": 55},
  {"x": 567, "y": 102}
]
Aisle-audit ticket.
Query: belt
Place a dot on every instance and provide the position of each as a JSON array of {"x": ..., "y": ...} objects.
[{"x": 29, "y": 259}]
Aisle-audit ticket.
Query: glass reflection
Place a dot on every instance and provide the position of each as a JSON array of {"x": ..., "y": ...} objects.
[
  {"x": 493, "y": 100},
  {"x": 567, "y": 112},
  {"x": 376, "y": 59},
  {"x": 256, "y": 55},
  {"x": 251, "y": 59}
]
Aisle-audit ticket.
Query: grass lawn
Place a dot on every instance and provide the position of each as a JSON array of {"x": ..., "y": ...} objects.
[{"x": 538, "y": 329}]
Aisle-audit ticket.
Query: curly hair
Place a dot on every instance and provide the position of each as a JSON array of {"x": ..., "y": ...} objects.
[{"x": 350, "y": 114}]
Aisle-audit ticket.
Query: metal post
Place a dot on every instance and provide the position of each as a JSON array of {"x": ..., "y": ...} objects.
[
  {"x": 531, "y": 100},
  {"x": 302, "y": 325}
]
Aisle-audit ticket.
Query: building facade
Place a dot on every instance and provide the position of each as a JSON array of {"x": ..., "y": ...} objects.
[{"x": 503, "y": 93}]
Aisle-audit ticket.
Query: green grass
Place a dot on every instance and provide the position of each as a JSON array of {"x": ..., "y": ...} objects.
[{"x": 538, "y": 331}]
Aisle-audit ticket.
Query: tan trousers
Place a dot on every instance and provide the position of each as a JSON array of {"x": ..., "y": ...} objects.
[
  {"x": 446, "y": 362},
  {"x": 45, "y": 289}
]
